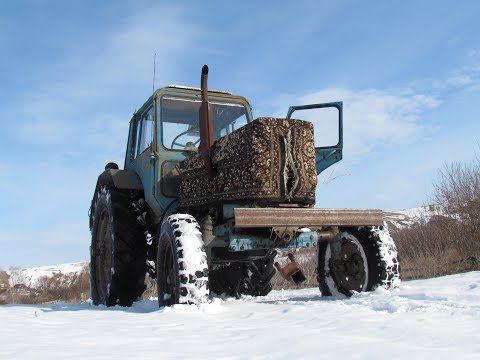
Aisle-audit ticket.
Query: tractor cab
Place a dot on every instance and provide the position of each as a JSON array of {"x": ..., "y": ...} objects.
[{"x": 165, "y": 130}]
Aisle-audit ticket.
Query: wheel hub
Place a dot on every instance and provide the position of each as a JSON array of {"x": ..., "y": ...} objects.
[{"x": 349, "y": 268}]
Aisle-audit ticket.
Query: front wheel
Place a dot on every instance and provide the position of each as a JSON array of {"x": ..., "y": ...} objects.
[
  {"x": 182, "y": 269},
  {"x": 367, "y": 259}
]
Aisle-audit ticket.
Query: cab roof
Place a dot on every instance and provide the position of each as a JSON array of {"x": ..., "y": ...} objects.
[{"x": 187, "y": 90}]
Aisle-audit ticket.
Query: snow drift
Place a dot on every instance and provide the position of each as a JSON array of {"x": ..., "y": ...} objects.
[{"x": 436, "y": 318}]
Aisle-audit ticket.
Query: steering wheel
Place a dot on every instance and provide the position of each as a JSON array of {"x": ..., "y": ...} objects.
[{"x": 175, "y": 142}]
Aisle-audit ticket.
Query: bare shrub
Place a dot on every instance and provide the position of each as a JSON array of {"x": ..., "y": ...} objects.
[
  {"x": 16, "y": 275},
  {"x": 450, "y": 241},
  {"x": 70, "y": 288},
  {"x": 64, "y": 287},
  {"x": 4, "y": 278},
  {"x": 428, "y": 250},
  {"x": 458, "y": 193},
  {"x": 4, "y": 287}
]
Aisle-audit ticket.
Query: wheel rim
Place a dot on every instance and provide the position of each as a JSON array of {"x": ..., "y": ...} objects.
[
  {"x": 350, "y": 269},
  {"x": 103, "y": 257},
  {"x": 168, "y": 278}
]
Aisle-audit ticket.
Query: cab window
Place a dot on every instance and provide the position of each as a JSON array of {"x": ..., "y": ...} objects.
[
  {"x": 144, "y": 132},
  {"x": 180, "y": 121}
]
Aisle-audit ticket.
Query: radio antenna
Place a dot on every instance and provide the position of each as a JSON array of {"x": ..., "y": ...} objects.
[{"x": 154, "y": 61}]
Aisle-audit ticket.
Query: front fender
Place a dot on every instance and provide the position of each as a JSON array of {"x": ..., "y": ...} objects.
[
  {"x": 117, "y": 179},
  {"x": 125, "y": 179}
]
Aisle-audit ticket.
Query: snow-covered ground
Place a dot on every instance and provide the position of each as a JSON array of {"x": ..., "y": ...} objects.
[{"x": 436, "y": 318}]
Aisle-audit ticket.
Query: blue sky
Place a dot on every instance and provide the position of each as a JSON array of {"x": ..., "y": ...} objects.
[{"x": 73, "y": 72}]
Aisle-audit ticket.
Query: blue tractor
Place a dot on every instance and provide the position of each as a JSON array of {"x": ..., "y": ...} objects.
[{"x": 208, "y": 194}]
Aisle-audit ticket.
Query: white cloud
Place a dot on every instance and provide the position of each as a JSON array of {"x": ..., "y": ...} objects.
[
  {"x": 462, "y": 78},
  {"x": 60, "y": 112},
  {"x": 466, "y": 78},
  {"x": 375, "y": 118}
]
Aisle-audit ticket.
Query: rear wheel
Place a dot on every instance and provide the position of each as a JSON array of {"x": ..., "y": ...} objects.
[
  {"x": 118, "y": 250},
  {"x": 368, "y": 258},
  {"x": 244, "y": 278},
  {"x": 182, "y": 270}
]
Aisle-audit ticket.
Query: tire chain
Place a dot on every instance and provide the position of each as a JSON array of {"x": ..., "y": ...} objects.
[{"x": 193, "y": 282}]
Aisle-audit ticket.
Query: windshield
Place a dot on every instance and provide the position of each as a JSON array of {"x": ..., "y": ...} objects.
[{"x": 180, "y": 121}]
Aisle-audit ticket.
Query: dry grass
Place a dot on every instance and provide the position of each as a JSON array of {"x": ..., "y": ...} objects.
[{"x": 440, "y": 247}]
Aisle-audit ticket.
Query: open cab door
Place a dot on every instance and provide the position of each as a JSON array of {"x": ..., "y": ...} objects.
[{"x": 327, "y": 122}]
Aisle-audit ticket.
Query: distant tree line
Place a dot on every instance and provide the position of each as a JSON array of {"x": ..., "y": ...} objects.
[{"x": 70, "y": 288}]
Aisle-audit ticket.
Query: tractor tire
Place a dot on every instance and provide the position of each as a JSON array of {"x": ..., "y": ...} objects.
[
  {"x": 368, "y": 259},
  {"x": 118, "y": 250},
  {"x": 182, "y": 269},
  {"x": 244, "y": 278}
]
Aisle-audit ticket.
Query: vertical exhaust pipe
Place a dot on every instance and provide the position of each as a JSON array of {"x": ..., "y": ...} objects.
[{"x": 206, "y": 124}]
